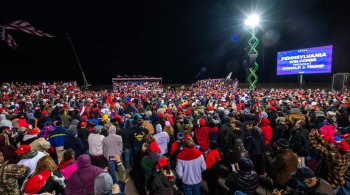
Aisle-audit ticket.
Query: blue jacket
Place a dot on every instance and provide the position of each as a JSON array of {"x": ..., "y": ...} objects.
[{"x": 58, "y": 136}]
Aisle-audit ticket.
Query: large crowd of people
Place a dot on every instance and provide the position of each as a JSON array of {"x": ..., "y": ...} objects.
[{"x": 211, "y": 137}]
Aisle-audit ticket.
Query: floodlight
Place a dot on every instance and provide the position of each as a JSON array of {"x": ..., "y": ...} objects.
[{"x": 252, "y": 21}]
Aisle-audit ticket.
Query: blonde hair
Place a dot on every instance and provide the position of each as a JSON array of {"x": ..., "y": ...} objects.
[{"x": 45, "y": 162}]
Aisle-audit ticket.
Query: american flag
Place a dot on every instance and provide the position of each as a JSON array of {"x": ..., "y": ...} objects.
[{"x": 19, "y": 25}]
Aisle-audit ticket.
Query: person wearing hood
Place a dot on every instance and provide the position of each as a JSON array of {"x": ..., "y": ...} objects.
[
  {"x": 305, "y": 182},
  {"x": 189, "y": 167},
  {"x": 82, "y": 180},
  {"x": 281, "y": 130},
  {"x": 29, "y": 158},
  {"x": 201, "y": 134},
  {"x": 328, "y": 129},
  {"x": 300, "y": 141},
  {"x": 236, "y": 152},
  {"x": 127, "y": 135},
  {"x": 162, "y": 138},
  {"x": 4, "y": 121},
  {"x": 170, "y": 130},
  {"x": 244, "y": 178},
  {"x": 36, "y": 143},
  {"x": 73, "y": 142},
  {"x": 112, "y": 144},
  {"x": 266, "y": 130}
]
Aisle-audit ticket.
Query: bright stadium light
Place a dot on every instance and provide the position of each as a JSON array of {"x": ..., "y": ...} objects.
[
  {"x": 252, "y": 21},
  {"x": 252, "y": 24}
]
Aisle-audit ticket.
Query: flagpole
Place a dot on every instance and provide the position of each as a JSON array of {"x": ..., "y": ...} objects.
[{"x": 86, "y": 85}]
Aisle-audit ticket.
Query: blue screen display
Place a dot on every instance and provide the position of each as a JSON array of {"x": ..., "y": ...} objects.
[{"x": 305, "y": 61}]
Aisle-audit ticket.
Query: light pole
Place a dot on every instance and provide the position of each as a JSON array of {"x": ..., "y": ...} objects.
[{"x": 251, "y": 23}]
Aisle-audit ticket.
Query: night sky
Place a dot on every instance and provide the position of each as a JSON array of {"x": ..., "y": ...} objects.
[{"x": 174, "y": 39}]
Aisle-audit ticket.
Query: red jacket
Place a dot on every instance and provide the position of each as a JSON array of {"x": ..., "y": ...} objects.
[
  {"x": 266, "y": 130},
  {"x": 202, "y": 136},
  {"x": 212, "y": 157}
]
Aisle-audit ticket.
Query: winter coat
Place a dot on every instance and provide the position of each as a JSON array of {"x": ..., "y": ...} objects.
[
  {"x": 322, "y": 187},
  {"x": 8, "y": 151},
  {"x": 68, "y": 168},
  {"x": 190, "y": 164},
  {"x": 83, "y": 134},
  {"x": 300, "y": 142},
  {"x": 30, "y": 160},
  {"x": 58, "y": 136},
  {"x": 246, "y": 182},
  {"x": 336, "y": 162},
  {"x": 282, "y": 166},
  {"x": 266, "y": 130},
  {"x": 164, "y": 185},
  {"x": 76, "y": 144},
  {"x": 127, "y": 134},
  {"x": 254, "y": 144},
  {"x": 223, "y": 135},
  {"x": 82, "y": 180},
  {"x": 112, "y": 144},
  {"x": 281, "y": 131},
  {"x": 212, "y": 158},
  {"x": 213, "y": 133},
  {"x": 162, "y": 138},
  {"x": 9, "y": 174},
  {"x": 202, "y": 136}
]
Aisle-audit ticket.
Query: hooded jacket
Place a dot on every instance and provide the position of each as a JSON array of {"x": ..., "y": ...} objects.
[
  {"x": 328, "y": 129},
  {"x": 164, "y": 185},
  {"x": 190, "y": 164},
  {"x": 212, "y": 157},
  {"x": 75, "y": 143},
  {"x": 266, "y": 130},
  {"x": 82, "y": 180},
  {"x": 201, "y": 134},
  {"x": 162, "y": 139},
  {"x": 246, "y": 182},
  {"x": 58, "y": 136},
  {"x": 112, "y": 144},
  {"x": 67, "y": 168}
]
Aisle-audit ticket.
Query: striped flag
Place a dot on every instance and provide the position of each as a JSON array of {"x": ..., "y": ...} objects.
[{"x": 19, "y": 25}]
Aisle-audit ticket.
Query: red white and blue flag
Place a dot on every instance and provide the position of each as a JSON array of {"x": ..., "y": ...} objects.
[{"x": 19, "y": 25}]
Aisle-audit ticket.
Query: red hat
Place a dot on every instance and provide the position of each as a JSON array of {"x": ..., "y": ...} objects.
[
  {"x": 153, "y": 147},
  {"x": 1, "y": 110},
  {"x": 273, "y": 108},
  {"x": 168, "y": 110},
  {"x": 187, "y": 136},
  {"x": 344, "y": 146},
  {"x": 44, "y": 113},
  {"x": 34, "y": 184},
  {"x": 162, "y": 162},
  {"x": 33, "y": 131},
  {"x": 189, "y": 111},
  {"x": 327, "y": 138},
  {"x": 160, "y": 115},
  {"x": 23, "y": 149},
  {"x": 202, "y": 122},
  {"x": 84, "y": 118},
  {"x": 210, "y": 108},
  {"x": 83, "y": 124}
]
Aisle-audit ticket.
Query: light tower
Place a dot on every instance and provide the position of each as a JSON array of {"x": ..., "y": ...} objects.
[{"x": 252, "y": 23}]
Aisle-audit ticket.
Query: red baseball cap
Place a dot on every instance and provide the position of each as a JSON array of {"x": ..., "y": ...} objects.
[
  {"x": 23, "y": 149},
  {"x": 36, "y": 182},
  {"x": 162, "y": 162},
  {"x": 83, "y": 124}
]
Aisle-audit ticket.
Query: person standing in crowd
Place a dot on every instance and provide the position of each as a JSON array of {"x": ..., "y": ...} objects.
[
  {"x": 201, "y": 134},
  {"x": 243, "y": 179},
  {"x": 266, "y": 131},
  {"x": 83, "y": 134},
  {"x": 164, "y": 181},
  {"x": 68, "y": 165},
  {"x": 73, "y": 142},
  {"x": 57, "y": 138},
  {"x": 10, "y": 174},
  {"x": 82, "y": 180},
  {"x": 29, "y": 158},
  {"x": 112, "y": 145},
  {"x": 213, "y": 163},
  {"x": 127, "y": 135},
  {"x": 96, "y": 148},
  {"x": 281, "y": 166},
  {"x": 189, "y": 168},
  {"x": 162, "y": 138},
  {"x": 36, "y": 143},
  {"x": 7, "y": 150},
  {"x": 336, "y": 158},
  {"x": 300, "y": 141}
]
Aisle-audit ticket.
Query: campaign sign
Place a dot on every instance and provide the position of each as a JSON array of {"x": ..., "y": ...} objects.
[{"x": 305, "y": 61}]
